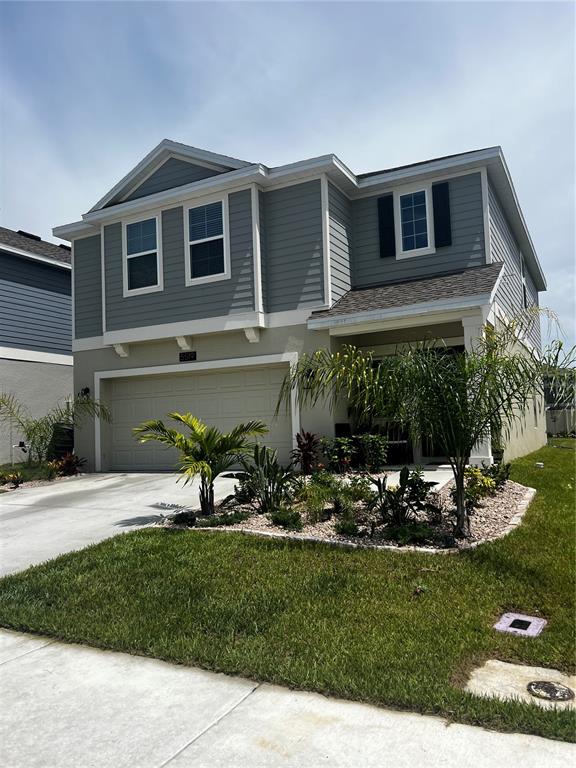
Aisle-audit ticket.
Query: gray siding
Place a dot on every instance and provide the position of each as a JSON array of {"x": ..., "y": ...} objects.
[
  {"x": 87, "y": 287},
  {"x": 340, "y": 230},
  {"x": 36, "y": 308},
  {"x": 294, "y": 269},
  {"x": 467, "y": 249},
  {"x": 178, "y": 302},
  {"x": 173, "y": 173},
  {"x": 505, "y": 249}
]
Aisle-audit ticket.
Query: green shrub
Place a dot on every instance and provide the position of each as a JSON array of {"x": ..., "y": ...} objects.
[
  {"x": 346, "y": 527},
  {"x": 373, "y": 451},
  {"x": 290, "y": 519},
  {"x": 360, "y": 489},
  {"x": 227, "y": 518},
  {"x": 339, "y": 451},
  {"x": 499, "y": 472},
  {"x": 410, "y": 533},
  {"x": 185, "y": 517},
  {"x": 477, "y": 485},
  {"x": 269, "y": 483},
  {"x": 398, "y": 505}
]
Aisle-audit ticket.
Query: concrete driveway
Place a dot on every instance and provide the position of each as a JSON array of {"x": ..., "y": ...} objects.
[{"x": 37, "y": 524}]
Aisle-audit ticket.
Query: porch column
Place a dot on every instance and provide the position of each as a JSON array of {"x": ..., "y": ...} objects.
[{"x": 474, "y": 330}]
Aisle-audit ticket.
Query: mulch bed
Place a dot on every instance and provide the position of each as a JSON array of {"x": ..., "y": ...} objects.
[{"x": 494, "y": 517}]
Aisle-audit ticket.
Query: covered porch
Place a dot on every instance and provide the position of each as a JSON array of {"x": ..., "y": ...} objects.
[{"x": 452, "y": 308}]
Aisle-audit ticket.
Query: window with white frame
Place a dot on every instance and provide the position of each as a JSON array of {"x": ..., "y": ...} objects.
[
  {"x": 207, "y": 247},
  {"x": 414, "y": 221},
  {"x": 142, "y": 266}
]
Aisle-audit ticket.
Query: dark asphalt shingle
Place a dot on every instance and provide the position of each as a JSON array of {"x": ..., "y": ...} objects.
[
  {"x": 467, "y": 282},
  {"x": 13, "y": 239}
]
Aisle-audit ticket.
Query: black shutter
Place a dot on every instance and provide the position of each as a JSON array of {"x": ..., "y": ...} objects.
[
  {"x": 386, "y": 227},
  {"x": 441, "y": 206}
]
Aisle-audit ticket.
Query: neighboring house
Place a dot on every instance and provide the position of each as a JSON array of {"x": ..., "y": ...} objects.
[
  {"x": 35, "y": 326},
  {"x": 199, "y": 278}
]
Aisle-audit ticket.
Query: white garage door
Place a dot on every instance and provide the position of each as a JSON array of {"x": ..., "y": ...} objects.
[{"x": 221, "y": 398}]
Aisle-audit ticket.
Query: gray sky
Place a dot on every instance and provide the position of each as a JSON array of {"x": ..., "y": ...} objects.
[{"x": 87, "y": 89}]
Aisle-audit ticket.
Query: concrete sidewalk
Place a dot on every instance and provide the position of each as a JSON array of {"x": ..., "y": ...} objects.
[{"x": 68, "y": 706}]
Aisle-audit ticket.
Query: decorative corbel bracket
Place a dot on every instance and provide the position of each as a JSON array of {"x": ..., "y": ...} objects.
[
  {"x": 252, "y": 334},
  {"x": 122, "y": 350},
  {"x": 184, "y": 342}
]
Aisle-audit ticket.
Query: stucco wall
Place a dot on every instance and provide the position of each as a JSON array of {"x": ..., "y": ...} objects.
[{"x": 39, "y": 386}]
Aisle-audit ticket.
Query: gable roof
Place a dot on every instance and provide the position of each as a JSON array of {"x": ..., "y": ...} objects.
[
  {"x": 476, "y": 281},
  {"x": 165, "y": 150},
  {"x": 25, "y": 244}
]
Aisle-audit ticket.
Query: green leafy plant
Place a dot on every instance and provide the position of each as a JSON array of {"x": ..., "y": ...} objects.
[
  {"x": 290, "y": 519},
  {"x": 38, "y": 432},
  {"x": 412, "y": 532},
  {"x": 360, "y": 488},
  {"x": 372, "y": 450},
  {"x": 269, "y": 484},
  {"x": 227, "y": 518},
  {"x": 306, "y": 452},
  {"x": 397, "y": 506},
  {"x": 499, "y": 472},
  {"x": 477, "y": 486},
  {"x": 68, "y": 465},
  {"x": 205, "y": 451},
  {"x": 14, "y": 479},
  {"x": 346, "y": 527},
  {"x": 339, "y": 451}
]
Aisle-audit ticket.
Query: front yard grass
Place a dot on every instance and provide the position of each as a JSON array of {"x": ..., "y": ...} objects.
[
  {"x": 398, "y": 629},
  {"x": 29, "y": 472}
]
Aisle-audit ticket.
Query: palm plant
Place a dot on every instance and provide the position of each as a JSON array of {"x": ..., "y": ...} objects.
[
  {"x": 38, "y": 432},
  {"x": 454, "y": 400},
  {"x": 205, "y": 451}
]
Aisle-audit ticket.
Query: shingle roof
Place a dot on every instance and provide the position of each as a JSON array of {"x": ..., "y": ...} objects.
[
  {"x": 468, "y": 282},
  {"x": 35, "y": 246},
  {"x": 421, "y": 162}
]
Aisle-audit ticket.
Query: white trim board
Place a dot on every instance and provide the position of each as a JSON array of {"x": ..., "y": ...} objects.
[
  {"x": 32, "y": 356},
  {"x": 291, "y": 358},
  {"x": 326, "y": 262}
]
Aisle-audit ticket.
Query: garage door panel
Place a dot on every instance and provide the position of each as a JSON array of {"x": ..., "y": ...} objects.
[{"x": 220, "y": 398}]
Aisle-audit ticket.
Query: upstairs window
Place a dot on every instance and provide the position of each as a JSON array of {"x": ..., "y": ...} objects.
[
  {"x": 207, "y": 258},
  {"x": 414, "y": 221},
  {"x": 142, "y": 268}
]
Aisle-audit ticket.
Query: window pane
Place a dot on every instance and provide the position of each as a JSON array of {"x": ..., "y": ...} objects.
[
  {"x": 413, "y": 219},
  {"x": 205, "y": 221},
  {"x": 141, "y": 236},
  {"x": 421, "y": 241},
  {"x": 207, "y": 258},
  {"x": 418, "y": 198},
  {"x": 142, "y": 271}
]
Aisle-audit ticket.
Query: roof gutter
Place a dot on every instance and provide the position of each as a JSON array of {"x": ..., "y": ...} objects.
[{"x": 35, "y": 256}]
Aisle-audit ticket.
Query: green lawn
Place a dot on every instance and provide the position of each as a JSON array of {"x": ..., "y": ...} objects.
[
  {"x": 32, "y": 471},
  {"x": 341, "y": 622}
]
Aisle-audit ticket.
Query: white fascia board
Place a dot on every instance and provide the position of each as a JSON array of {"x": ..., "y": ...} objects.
[
  {"x": 410, "y": 310},
  {"x": 75, "y": 229},
  {"x": 32, "y": 356},
  {"x": 35, "y": 256}
]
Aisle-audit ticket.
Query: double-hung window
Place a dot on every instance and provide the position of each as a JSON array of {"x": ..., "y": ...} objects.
[
  {"x": 414, "y": 231},
  {"x": 207, "y": 258},
  {"x": 142, "y": 258}
]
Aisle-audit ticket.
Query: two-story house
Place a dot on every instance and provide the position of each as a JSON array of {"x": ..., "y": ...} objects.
[
  {"x": 35, "y": 327},
  {"x": 199, "y": 278}
]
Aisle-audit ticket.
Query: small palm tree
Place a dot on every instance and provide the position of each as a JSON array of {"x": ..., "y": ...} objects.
[{"x": 205, "y": 451}]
